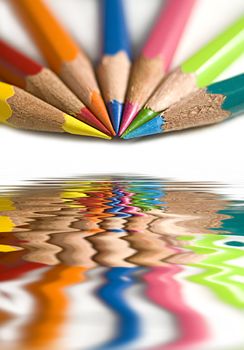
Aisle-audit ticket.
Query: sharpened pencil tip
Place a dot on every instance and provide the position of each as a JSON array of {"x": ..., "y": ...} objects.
[
  {"x": 129, "y": 113},
  {"x": 76, "y": 127},
  {"x": 99, "y": 109},
  {"x": 153, "y": 127},
  {"x": 143, "y": 117},
  {"x": 115, "y": 109}
]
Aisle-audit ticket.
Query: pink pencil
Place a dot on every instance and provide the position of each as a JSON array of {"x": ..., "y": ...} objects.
[
  {"x": 156, "y": 56},
  {"x": 164, "y": 290}
]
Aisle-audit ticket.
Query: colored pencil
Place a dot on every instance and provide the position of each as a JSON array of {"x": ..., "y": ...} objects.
[
  {"x": 195, "y": 73},
  {"x": 20, "y": 70},
  {"x": 20, "y": 109},
  {"x": 156, "y": 56},
  {"x": 114, "y": 68},
  {"x": 63, "y": 55},
  {"x": 214, "y": 104}
]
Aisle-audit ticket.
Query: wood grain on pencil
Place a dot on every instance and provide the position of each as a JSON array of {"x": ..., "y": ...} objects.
[{"x": 21, "y": 110}]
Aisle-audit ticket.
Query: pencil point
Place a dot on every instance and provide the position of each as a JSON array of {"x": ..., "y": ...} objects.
[
  {"x": 153, "y": 127},
  {"x": 100, "y": 111},
  {"x": 129, "y": 113},
  {"x": 143, "y": 117},
  {"x": 76, "y": 127},
  {"x": 115, "y": 110},
  {"x": 86, "y": 116}
]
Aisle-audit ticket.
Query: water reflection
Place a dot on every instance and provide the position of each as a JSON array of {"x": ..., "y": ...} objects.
[{"x": 120, "y": 263}]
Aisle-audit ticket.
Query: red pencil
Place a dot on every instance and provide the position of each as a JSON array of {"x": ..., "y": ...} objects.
[{"x": 20, "y": 70}]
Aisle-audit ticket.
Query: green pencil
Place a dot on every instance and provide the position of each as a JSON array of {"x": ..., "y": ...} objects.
[
  {"x": 211, "y": 105},
  {"x": 195, "y": 73}
]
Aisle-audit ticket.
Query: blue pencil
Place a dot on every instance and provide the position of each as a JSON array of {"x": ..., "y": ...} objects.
[
  {"x": 119, "y": 279},
  {"x": 114, "y": 67}
]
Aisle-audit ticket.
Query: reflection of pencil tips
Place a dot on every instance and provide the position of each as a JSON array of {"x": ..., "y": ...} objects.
[
  {"x": 8, "y": 248},
  {"x": 6, "y": 224}
]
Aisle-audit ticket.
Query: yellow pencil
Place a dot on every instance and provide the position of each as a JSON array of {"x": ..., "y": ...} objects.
[{"x": 21, "y": 110}]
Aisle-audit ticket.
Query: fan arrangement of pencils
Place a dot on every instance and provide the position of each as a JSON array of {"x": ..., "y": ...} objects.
[{"x": 128, "y": 99}]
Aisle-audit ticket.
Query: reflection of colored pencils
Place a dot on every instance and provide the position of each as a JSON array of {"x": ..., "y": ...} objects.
[
  {"x": 63, "y": 55},
  {"x": 156, "y": 56},
  {"x": 166, "y": 291},
  {"x": 113, "y": 293},
  {"x": 217, "y": 269},
  {"x": 114, "y": 68},
  {"x": 195, "y": 73},
  {"x": 211, "y": 105},
  {"x": 76, "y": 249},
  {"x": 51, "y": 306},
  {"x": 22, "y": 110},
  {"x": 22, "y": 71}
]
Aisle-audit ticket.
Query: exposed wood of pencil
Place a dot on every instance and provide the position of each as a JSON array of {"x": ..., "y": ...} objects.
[
  {"x": 47, "y": 86},
  {"x": 198, "y": 109},
  {"x": 78, "y": 74},
  {"x": 113, "y": 74},
  {"x": 20, "y": 70},
  {"x": 146, "y": 73},
  {"x": 174, "y": 87},
  {"x": 31, "y": 113}
]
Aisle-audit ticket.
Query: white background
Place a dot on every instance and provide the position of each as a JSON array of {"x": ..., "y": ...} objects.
[{"x": 212, "y": 153}]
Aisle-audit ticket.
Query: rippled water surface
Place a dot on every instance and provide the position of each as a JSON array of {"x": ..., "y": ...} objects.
[{"x": 121, "y": 263}]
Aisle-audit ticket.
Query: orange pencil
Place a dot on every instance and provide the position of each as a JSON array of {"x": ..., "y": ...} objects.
[{"x": 63, "y": 55}]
